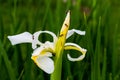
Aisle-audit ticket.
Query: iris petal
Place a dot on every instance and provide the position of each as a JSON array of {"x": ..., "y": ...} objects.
[
  {"x": 25, "y": 37},
  {"x": 36, "y": 36},
  {"x": 75, "y": 59},
  {"x": 36, "y": 40},
  {"x": 74, "y": 46},
  {"x": 48, "y": 32},
  {"x": 45, "y": 63},
  {"x": 37, "y": 51},
  {"x": 42, "y": 50},
  {"x": 71, "y": 32},
  {"x": 42, "y": 58}
]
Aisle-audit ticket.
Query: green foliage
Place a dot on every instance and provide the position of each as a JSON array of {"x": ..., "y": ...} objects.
[{"x": 99, "y": 18}]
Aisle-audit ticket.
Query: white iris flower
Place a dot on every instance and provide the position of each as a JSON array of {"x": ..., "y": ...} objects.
[{"x": 41, "y": 55}]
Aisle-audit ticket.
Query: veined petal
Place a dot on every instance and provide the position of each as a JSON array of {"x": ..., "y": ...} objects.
[
  {"x": 75, "y": 47},
  {"x": 71, "y": 32},
  {"x": 45, "y": 63},
  {"x": 25, "y": 37}
]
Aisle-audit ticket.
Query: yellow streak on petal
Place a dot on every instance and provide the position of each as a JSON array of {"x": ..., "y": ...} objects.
[
  {"x": 59, "y": 47},
  {"x": 65, "y": 25},
  {"x": 63, "y": 32},
  {"x": 75, "y": 48},
  {"x": 34, "y": 59}
]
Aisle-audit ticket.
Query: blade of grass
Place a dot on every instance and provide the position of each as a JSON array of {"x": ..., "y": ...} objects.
[
  {"x": 7, "y": 62},
  {"x": 98, "y": 51},
  {"x": 115, "y": 55},
  {"x": 103, "y": 75}
]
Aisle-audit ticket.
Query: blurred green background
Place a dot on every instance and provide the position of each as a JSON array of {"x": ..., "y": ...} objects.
[{"x": 99, "y": 18}]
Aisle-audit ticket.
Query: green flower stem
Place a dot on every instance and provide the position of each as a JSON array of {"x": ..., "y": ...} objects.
[{"x": 56, "y": 75}]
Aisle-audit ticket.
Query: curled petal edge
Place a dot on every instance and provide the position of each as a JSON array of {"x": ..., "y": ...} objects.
[
  {"x": 36, "y": 36},
  {"x": 74, "y": 46}
]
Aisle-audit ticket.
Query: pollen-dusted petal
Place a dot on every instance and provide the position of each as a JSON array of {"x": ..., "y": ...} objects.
[
  {"x": 74, "y": 46},
  {"x": 45, "y": 63},
  {"x": 25, "y": 37},
  {"x": 71, "y": 32}
]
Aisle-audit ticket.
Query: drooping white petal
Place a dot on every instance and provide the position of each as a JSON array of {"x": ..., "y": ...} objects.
[
  {"x": 41, "y": 57},
  {"x": 46, "y": 64},
  {"x": 75, "y": 47},
  {"x": 71, "y": 32},
  {"x": 25, "y": 37}
]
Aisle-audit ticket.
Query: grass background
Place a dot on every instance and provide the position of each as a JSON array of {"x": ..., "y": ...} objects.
[{"x": 99, "y": 18}]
